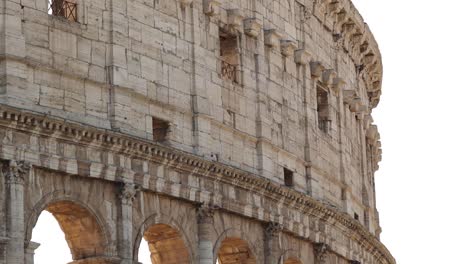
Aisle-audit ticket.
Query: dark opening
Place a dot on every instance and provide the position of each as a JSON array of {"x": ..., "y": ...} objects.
[
  {"x": 160, "y": 128},
  {"x": 229, "y": 56},
  {"x": 288, "y": 177},
  {"x": 63, "y": 8},
  {"x": 324, "y": 121},
  {"x": 356, "y": 216}
]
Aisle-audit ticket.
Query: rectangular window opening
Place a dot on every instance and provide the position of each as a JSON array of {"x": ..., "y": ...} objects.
[
  {"x": 356, "y": 216},
  {"x": 64, "y": 8},
  {"x": 288, "y": 177},
  {"x": 324, "y": 120},
  {"x": 160, "y": 129},
  {"x": 229, "y": 53}
]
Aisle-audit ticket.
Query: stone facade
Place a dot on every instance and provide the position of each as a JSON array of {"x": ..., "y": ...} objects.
[{"x": 234, "y": 130}]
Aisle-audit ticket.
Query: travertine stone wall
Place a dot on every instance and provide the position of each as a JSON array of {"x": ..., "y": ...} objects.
[{"x": 78, "y": 98}]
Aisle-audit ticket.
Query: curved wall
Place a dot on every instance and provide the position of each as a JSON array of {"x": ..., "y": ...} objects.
[{"x": 307, "y": 75}]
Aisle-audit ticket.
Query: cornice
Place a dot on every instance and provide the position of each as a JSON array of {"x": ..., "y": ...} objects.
[
  {"x": 79, "y": 133},
  {"x": 355, "y": 38}
]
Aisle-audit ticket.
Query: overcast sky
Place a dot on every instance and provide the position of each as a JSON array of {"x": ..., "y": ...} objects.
[{"x": 422, "y": 183}]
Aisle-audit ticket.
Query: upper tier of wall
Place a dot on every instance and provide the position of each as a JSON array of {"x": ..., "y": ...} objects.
[{"x": 124, "y": 62}]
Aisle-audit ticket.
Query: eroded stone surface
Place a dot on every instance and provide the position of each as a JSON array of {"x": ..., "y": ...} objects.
[{"x": 79, "y": 101}]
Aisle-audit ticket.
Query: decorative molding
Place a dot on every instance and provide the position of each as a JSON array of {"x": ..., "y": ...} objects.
[
  {"x": 273, "y": 229},
  {"x": 45, "y": 125},
  {"x": 16, "y": 171},
  {"x": 205, "y": 213},
  {"x": 128, "y": 193},
  {"x": 321, "y": 252}
]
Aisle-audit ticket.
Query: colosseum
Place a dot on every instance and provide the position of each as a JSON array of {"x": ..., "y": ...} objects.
[{"x": 215, "y": 131}]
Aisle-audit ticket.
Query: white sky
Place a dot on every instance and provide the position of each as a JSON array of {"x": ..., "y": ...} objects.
[{"x": 421, "y": 186}]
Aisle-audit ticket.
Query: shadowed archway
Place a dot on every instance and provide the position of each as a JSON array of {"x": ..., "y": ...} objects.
[
  {"x": 83, "y": 234},
  {"x": 166, "y": 245},
  {"x": 235, "y": 251}
]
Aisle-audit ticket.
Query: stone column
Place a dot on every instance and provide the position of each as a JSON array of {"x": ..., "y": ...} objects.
[
  {"x": 15, "y": 173},
  {"x": 29, "y": 252},
  {"x": 272, "y": 243},
  {"x": 127, "y": 195},
  {"x": 320, "y": 253},
  {"x": 3, "y": 246},
  {"x": 205, "y": 215}
]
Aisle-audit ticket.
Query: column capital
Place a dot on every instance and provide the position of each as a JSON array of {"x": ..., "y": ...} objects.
[
  {"x": 128, "y": 192},
  {"x": 16, "y": 171},
  {"x": 321, "y": 252},
  {"x": 205, "y": 213},
  {"x": 272, "y": 229}
]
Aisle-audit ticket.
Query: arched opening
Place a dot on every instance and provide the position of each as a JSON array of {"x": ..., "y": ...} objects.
[
  {"x": 235, "y": 251},
  {"x": 165, "y": 245},
  {"x": 51, "y": 241},
  {"x": 81, "y": 237},
  {"x": 292, "y": 261}
]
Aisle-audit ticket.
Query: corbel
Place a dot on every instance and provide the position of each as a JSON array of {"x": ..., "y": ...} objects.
[
  {"x": 185, "y": 3},
  {"x": 287, "y": 47},
  {"x": 302, "y": 56},
  {"x": 211, "y": 7},
  {"x": 368, "y": 59},
  {"x": 358, "y": 106},
  {"x": 316, "y": 69},
  {"x": 234, "y": 19},
  {"x": 372, "y": 132},
  {"x": 337, "y": 85},
  {"x": 349, "y": 96},
  {"x": 272, "y": 38},
  {"x": 252, "y": 27},
  {"x": 328, "y": 76}
]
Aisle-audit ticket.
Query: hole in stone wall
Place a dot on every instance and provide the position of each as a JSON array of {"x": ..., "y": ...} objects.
[
  {"x": 160, "y": 129},
  {"x": 63, "y": 8},
  {"x": 324, "y": 121},
  {"x": 229, "y": 55},
  {"x": 288, "y": 177},
  {"x": 356, "y": 216}
]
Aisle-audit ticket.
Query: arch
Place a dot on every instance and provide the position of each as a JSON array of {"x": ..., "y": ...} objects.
[
  {"x": 293, "y": 261},
  {"x": 84, "y": 231},
  {"x": 256, "y": 247},
  {"x": 167, "y": 241},
  {"x": 234, "y": 250}
]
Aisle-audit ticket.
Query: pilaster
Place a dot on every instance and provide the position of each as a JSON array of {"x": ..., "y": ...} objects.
[
  {"x": 320, "y": 253},
  {"x": 205, "y": 214},
  {"x": 15, "y": 173},
  {"x": 30, "y": 248},
  {"x": 272, "y": 243},
  {"x": 127, "y": 195}
]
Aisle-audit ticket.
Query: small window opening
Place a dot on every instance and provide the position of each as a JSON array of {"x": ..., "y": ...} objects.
[
  {"x": 288, "y": 177},
  {"x": 229, "y": 54},
  {"x": 160, "y": 129},
  {"x": 356, "y": 216},
  {"x": 324, "y": 121},
  {"x": 63, "y": 8}
]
